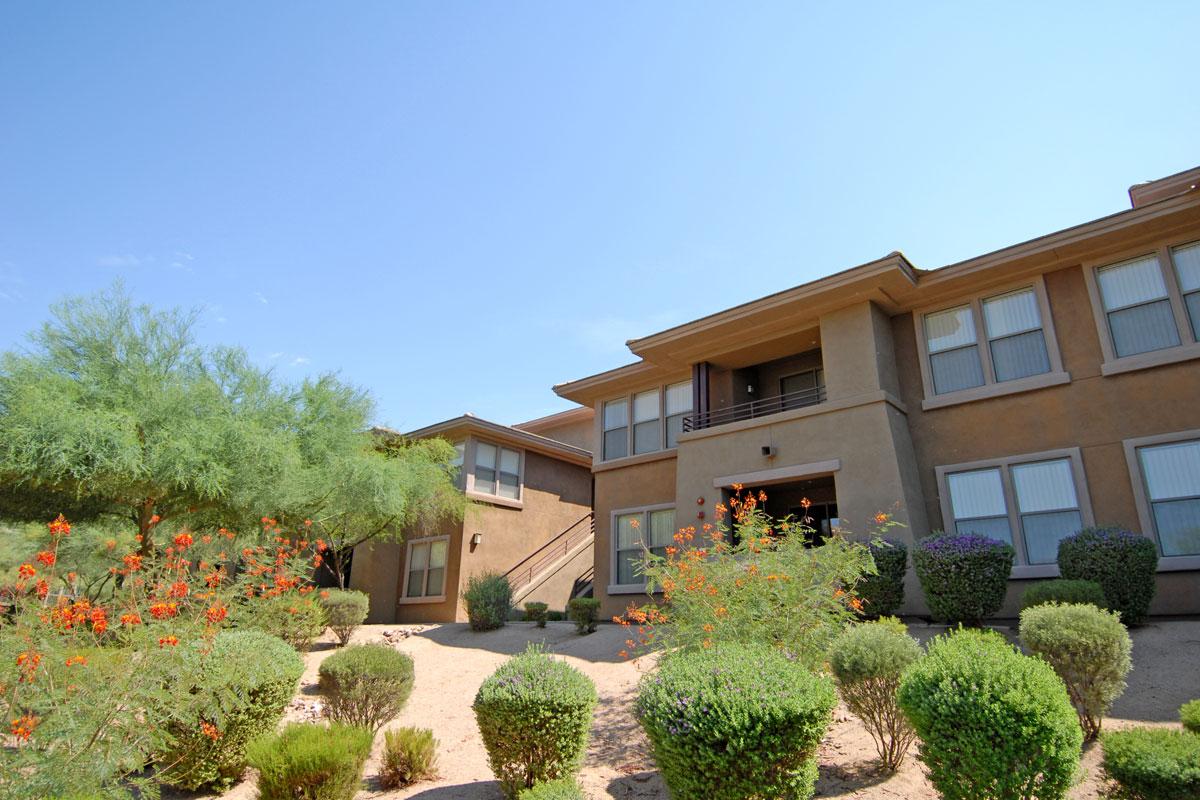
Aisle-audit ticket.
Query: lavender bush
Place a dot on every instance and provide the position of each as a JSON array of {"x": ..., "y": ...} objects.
[
  {"x": 964, "y": 577},
  {"x": 1122, "y": 562}
]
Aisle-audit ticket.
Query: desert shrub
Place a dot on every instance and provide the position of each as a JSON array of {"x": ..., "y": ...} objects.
[
  {"x": 489, "y": 599},
  {"x": 883, "y": 592},
  {"x": 311, "y": 762},
  {"x": 735, "y": 722},
  {"x": 298, "y": 620},
  {"x": 1122, "y": 562},
  {"x": 1062, "y": 590},
  {"x": 964, "y": 577},
  {"x": 345, "y": 611},
  {"x": 534, "y": 713},
  {"x": 556, "y": 616},
  {"x": 237, "y": 688},
  {"x": 561, "y": 789},
  {"x": 537, "y": 612},
  {"x": 366, "y": 684},
  {"x": 992, "y": 723},
  {"x": 1189, "y": 715},
  {"x": 1089, "y": 649},
  {"x": 409, "y": 755},
  {"x": 1153, "y": 763},
  {"x": 584, "y": 611},
  {"x": 868, "y": 660}
]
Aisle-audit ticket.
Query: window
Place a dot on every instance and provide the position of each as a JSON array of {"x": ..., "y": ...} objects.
[
  {"x": 1171, "y": 473},
  {"x": 1138, "y": 306},
  {"x": 1015, "y": 338},
  {"x": 679, "y": 405},
  {"x": 657, "y": 420},
  {"x": 1031, "y": 502},
  {"x": 802, "y": 389},
  {"x": 953, "y": 351},
  {"x": 616, "y": 429},
  {"x": 646, "y": 428},
  {"x": 426, "y": 568},
  {"x": 497, "y": 471},
  {"x": 1187, "y": 268},
  {"x": 653, "y": 529}
]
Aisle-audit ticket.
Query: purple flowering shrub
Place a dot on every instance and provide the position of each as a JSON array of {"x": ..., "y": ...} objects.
[
  {"x": 736, "y": 721},
  {"x": 1122, "y": 562},
  {"x": 964, "y": 576}
]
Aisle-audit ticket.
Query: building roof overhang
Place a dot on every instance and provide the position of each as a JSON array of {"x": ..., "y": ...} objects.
[{"x": 459, "y": 428}]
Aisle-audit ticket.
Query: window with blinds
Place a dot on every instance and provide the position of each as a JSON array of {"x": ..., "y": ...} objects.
[
  {"x": 634, "y": 533},
  {"x": 1171, "y": 473},
  {"x": 1137, "y": 305},
  {"x": 645, "y": 422}
]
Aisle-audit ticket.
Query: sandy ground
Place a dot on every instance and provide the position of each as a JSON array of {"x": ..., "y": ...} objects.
[{"x": 451, "y": 661}]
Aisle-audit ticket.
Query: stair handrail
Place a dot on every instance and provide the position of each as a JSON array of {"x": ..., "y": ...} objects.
[{"x": 558, "y": 547}]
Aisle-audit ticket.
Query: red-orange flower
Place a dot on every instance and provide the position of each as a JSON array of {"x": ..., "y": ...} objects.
[
  {"x": 28, "y": 662},
  {"x": 47, "y": 557},
  {"x": 164, "y": 610},
  {"x": 60, "y": 526},
  {"x": 133, "y": 562},
  {"x": 168, "y": 641},
  {"x": 26, "y": 571},
  {"x": 179, "y": 589},
  {"x": 73, "y": 660},
  {"x": 210, "y": 730},
  {"x": 130, "y": 619},
  {"x": 216, "y": 613},
  {"x": 184, "y": 540},
  {"x": 22, "y": 727},
  {"x": 42, "y": 588}
]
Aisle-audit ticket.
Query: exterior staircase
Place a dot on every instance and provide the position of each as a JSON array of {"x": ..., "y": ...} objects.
[{"x": 544, "y": 563}]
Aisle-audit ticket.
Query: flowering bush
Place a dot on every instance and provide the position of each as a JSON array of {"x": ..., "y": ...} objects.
[
  {"x": 311, "y": 762},
  {"x": 883, "y": 592},
  {"x": 1122, "y": 562},
  {"x": 366, "y": 684},
  {"x": 964, "y": 577}
]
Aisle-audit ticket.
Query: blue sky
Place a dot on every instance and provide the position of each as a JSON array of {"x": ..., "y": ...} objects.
[{"x": 457, "y": 205}]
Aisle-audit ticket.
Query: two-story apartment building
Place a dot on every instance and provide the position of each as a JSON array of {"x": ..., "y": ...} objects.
[{"x": 1021, "y": 394}]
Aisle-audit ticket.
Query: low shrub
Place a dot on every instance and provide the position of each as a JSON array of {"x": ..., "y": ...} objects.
[
  {"x": 1062, "y": 590},
  {"x": 556, "y": 616},
  {"x": 1089, "y": 649},
  {"x": 964, "y": 577},
  {"x": 366, "y": 684},
  {"x": 298, "y": 620},
  {"x": 1189, "y": 715},
  {"x": 237, "y": 687},
  {"x": 345, "y": 611},
  {"x": 735, "y": 722},
  {"x": 992, "y": 723},
  {"x": 584, "y": 612},
  {"x": 489, "y": 599},
  {"x": 534, "y": 713},
  {"x": 883, "y": 593},
  {"x": 867, "y": 661},
  {"x": 409, "y": 755},
  {"x": 1153, "y": 763},
  {"x": 311, "y": 762},
  {"x": 562, "y": 789},
  {"x": 1122, "y": 562},
  {"x": 537, "y": 612}
]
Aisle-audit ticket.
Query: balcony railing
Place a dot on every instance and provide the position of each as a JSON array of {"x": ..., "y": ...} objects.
[{"x": 754, "y": 409}]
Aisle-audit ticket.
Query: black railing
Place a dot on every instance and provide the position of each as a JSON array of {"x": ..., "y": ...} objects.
[
  {"x": 539, "y": 560},
  {"x": 755, "y": 408}
]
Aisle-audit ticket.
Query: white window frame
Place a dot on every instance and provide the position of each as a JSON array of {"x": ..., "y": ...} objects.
[
  {"x": 490, "y": 497},
  {"x": 628, "y": 398},
  {"x": 990, "y": 388},
  {"x": 645, "y": 511},
  {"x": 1187, "y": 349},
  {"x": 1021, "y": 567},
  {"x": 1141, "y": 495},
  {"x": 438, "y": 598}
]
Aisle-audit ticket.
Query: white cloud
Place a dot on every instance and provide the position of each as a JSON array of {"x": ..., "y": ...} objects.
[
  {"x": 300, "y": 360},
  {"x": 275, "y": 356},
  {"x": 259, "y": 297}
]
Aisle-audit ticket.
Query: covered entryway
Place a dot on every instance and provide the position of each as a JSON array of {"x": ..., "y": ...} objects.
[{"x": 805, "y": 492}]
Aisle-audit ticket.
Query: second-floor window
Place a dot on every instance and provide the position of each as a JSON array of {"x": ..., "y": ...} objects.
[
  {"x": 645, "y": 422},
  {"x": 497, "y": 471}
]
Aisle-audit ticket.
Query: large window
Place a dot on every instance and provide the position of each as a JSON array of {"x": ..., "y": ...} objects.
[
  {"x": 647, "y": 432},
  {"x": 1171, "y": 476},
  {"x": 1187, "y": 267},
  {"x": 634, "y": 532},
  {"x": 497, "y": 471},
  {"x": 1031, "y": 502},
  {"x": 953, "y": 350},
  {"x": 425, "y": 575},
  {"x": 1015, "y": 338},
  {"x": 679, "y": 405},
  {"x": 616, "y": 429},
  {"x": 645, "y": 422}
]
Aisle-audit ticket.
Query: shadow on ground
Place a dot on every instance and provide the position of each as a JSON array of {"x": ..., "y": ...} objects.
[{"x": 476, "y": 790}]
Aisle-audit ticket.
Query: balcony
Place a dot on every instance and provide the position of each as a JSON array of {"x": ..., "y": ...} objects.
[
  {"x": 754, "y": 409},
  {"x": 733, "y": 392}
]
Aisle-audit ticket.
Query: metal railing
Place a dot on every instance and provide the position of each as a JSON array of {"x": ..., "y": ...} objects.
[
  {"x": 755, "y": 408},
  {"x": 541, "y": 559}
]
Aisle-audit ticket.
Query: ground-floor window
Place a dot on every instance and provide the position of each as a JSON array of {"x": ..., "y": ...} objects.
[
  {"x": 651, "y": 528},
  {"x": 426, "y": 568},
  {"x": 1167, "y": 485}
]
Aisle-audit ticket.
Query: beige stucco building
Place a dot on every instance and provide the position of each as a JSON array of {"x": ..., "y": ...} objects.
[{"x": 1022, "y": 394}]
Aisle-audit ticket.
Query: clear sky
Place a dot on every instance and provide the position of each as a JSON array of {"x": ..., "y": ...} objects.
[{"x": 457, "y": 205}]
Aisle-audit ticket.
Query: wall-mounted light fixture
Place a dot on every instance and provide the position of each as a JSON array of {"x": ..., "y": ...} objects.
[{"x": 476, "y": 539}]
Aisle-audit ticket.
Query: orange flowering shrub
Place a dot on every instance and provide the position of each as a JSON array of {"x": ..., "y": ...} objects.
[{"x": 749, "y": 578}]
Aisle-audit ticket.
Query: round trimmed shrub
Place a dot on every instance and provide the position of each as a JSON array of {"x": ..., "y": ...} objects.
[
  {"x": 736, "y": 722},
  {"x": 345, "y": 611},
  {"x": 562, "y": 789},
  {"x": 311, "y": 762},
  {"x": 1089, "y": 649},
  {"x": 1153, "y": 763},
  {"x": 534, "y": 713},
  {"x": 964, "y": 577},
  {"x": 868, "y": 661},
  {"x": 238, "y": 687},
  {"x": 883, "y": 592},
  {"x": 366, "y": 684},
  {"x": 297, "y": 619},
  {"x": 1189, "y": 715},
  {"x": 584, "y": 612},
  {"x": 1122, "y": 562},
  {"x": 993, "y": 723},
  {"x": 489, "y": 600},
  {"x": 537, "y": 612},
  {"x": 1062, "y": 590}
]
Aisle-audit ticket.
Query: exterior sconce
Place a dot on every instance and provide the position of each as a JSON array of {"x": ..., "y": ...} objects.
[{"x": 476, "y": 539}]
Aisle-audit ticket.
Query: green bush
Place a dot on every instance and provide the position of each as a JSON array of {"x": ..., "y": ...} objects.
[
  {"x": 964, "y": 577},
  {"x": 1123, "y": 563},
  {"x": 311, "y": 762},
  {"x": 1089, "y": 649},
  {"x": 409, "y": 755},
  {"x": 534, "y": 713},
  {"x": 537, "y": 612},
  {"x": 345, "y": 611},
  {"x": 366, "y": 684},
  {"x": 562, "y": 789},
  {"x": 584, "y": 612},
  {"x": 296, "y": 619},
  {"x": 240, "y": 685},
  {"x": 489, "y": 599},
  {"x": 867, "y": 661},
  {"x": 883, "y": 592},
  {"x": 735, "y": 722},
  {"x": 1153, "y": 763},
  {"x": 1189, "y": 715},
  {"x": 993, "y": 723},
  {"x": 1062, "y": 590}
]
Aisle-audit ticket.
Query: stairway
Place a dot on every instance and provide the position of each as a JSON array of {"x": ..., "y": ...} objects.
[{"x": 541, "y": 565}]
